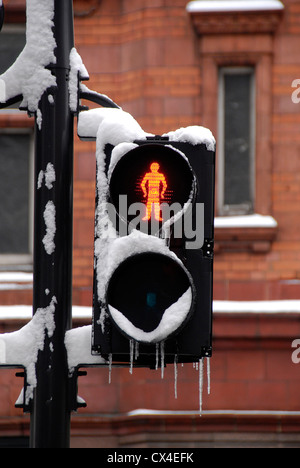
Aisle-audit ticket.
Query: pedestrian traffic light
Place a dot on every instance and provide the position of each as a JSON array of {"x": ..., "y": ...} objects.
[{"x": 154, "y": 248}]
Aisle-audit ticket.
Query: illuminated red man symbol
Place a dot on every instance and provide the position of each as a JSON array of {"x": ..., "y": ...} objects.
[{"x": 157, "y": 186}]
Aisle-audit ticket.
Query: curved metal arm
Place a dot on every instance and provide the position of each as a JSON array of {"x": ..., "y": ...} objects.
[
  {"x": 86, "y": 94},
  {"x": 12, "y": 101},
  {"x": 100, "y": 99}
]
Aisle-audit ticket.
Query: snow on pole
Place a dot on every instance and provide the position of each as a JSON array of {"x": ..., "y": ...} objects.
[
  {"x": 49, "y": 217},
  {"x": 21, "y": 348},
  {"x": 77, "y": 72},
  {"x": 53, "y": 211},
  {"x": 28, "y": 77},
  {"x": 77, "y": 342}
]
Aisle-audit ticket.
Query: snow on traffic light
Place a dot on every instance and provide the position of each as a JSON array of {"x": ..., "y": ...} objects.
[{"x": 153, "y": 257}]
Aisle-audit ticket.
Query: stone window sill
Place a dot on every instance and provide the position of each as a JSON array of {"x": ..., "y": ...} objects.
[
  {"x": 253, "y": 233},
  {"x": 235, "y": 16}
]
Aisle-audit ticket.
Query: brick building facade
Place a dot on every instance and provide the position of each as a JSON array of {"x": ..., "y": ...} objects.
[{"x": 171, "y": 65}]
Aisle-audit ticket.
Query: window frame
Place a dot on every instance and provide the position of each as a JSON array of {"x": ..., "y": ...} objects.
[{"x": 242, "y": 208}]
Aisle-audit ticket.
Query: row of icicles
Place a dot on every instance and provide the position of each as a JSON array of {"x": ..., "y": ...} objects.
[{"x": 160, "y": 360}]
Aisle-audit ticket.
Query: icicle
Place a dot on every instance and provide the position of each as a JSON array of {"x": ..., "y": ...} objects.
[
  {"x": 110, "y": 368},
  {"x": 136, "y": 352},
  {"x": 200, "y": 385},
  {"x": 175, "y": 374},
  {"x": 208, "y": 375},
  {"x": 157, "y": 355},
  {"x": 131, "y": 343},
  {"x": 162, "y": 358}
]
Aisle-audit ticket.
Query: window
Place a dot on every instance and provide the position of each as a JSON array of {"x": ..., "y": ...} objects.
[
  {"x": 236, "y": 141},
  {"x": 234, "y": 42},
  {"x": 16, "y": 167},
  {"x": 15, "y": 183},
  {"x": 13, "y": 39}
]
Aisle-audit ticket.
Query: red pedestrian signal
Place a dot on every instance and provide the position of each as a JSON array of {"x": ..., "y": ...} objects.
[
  {"x": 151, "y": 178},
  {"x": 154, "y": 186}
]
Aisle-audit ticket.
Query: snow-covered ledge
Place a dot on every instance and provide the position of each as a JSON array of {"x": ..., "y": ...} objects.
[
  {"x": 15, "y": 280},
  {"x": 197, "y": 6},
  {"x": 235, "y": 16},
  {"x": 257, "y": 307},
  {"x": 255, "y": 221},
  {"x": 251, "y": 233}
]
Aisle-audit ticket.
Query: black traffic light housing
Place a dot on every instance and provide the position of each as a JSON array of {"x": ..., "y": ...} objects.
[{"x": 153, "y": 290}]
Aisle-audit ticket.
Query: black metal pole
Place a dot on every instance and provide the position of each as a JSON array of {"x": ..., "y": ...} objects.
[{"x": 52, "y": 290}]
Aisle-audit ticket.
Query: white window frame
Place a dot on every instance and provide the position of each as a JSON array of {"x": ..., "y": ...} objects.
[{"x": 238, "y": 209}]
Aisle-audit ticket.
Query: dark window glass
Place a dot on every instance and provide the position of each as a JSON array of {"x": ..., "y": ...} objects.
[
  {"x": 238, "y": 174},
  {"x": 11, "y": 45},
  {"x": 14, "y": 193},
  {"x": 14, "y": 442}
]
